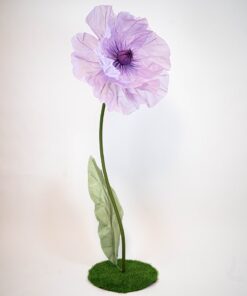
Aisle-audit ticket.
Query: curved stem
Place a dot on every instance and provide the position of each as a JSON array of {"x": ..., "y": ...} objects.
[{"x": 109, "y": 186}]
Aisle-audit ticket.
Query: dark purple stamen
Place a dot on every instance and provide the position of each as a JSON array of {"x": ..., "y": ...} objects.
[{"x": 123, "y": 58}]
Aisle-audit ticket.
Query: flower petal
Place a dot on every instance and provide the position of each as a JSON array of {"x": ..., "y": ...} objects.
[
  {"x": 150, "y": 92},
  {"x": 111, "y": 94},
  {"x": 154, "y": 51},
  {"x": 99, "y": 18},
  {"x": 84, "y": 59},
  {"x": 128, "y": 27},
  {"x": 85, "y": 45},
  {"x": 116, "y": 99}
]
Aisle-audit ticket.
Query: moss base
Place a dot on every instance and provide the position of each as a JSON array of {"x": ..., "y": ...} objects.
[{"x": 137, "y": 276}]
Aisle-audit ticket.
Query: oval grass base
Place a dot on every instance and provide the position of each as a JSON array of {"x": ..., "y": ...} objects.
[{"x": 137, "y": 276}]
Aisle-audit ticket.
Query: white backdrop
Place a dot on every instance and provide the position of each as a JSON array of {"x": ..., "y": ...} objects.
[{"x": 179, "y": 168}]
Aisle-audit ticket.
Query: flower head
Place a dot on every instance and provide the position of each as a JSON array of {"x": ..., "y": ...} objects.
[{"x": 126, "y": 63}]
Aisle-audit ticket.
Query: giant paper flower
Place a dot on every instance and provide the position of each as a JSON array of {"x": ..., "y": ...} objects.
[{"x": 127, "y": 64}]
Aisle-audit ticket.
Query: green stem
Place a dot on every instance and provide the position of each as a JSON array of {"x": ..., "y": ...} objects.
[{"x": 109, "y": 186}]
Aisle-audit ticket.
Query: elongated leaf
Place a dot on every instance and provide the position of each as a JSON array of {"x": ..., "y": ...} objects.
[{"x": 108, "y": 228}]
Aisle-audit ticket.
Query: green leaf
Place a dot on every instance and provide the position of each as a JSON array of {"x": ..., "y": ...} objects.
[{"x": 108, "y": 228}]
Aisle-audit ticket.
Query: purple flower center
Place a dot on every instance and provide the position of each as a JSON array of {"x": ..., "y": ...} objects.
[{"x": 123, "y": 58}]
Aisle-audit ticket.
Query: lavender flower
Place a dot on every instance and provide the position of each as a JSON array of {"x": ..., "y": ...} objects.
[{"x": 127, "y": 64}]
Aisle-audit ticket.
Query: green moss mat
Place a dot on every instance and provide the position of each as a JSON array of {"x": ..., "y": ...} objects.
[{"x": 137, "y": 276}]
